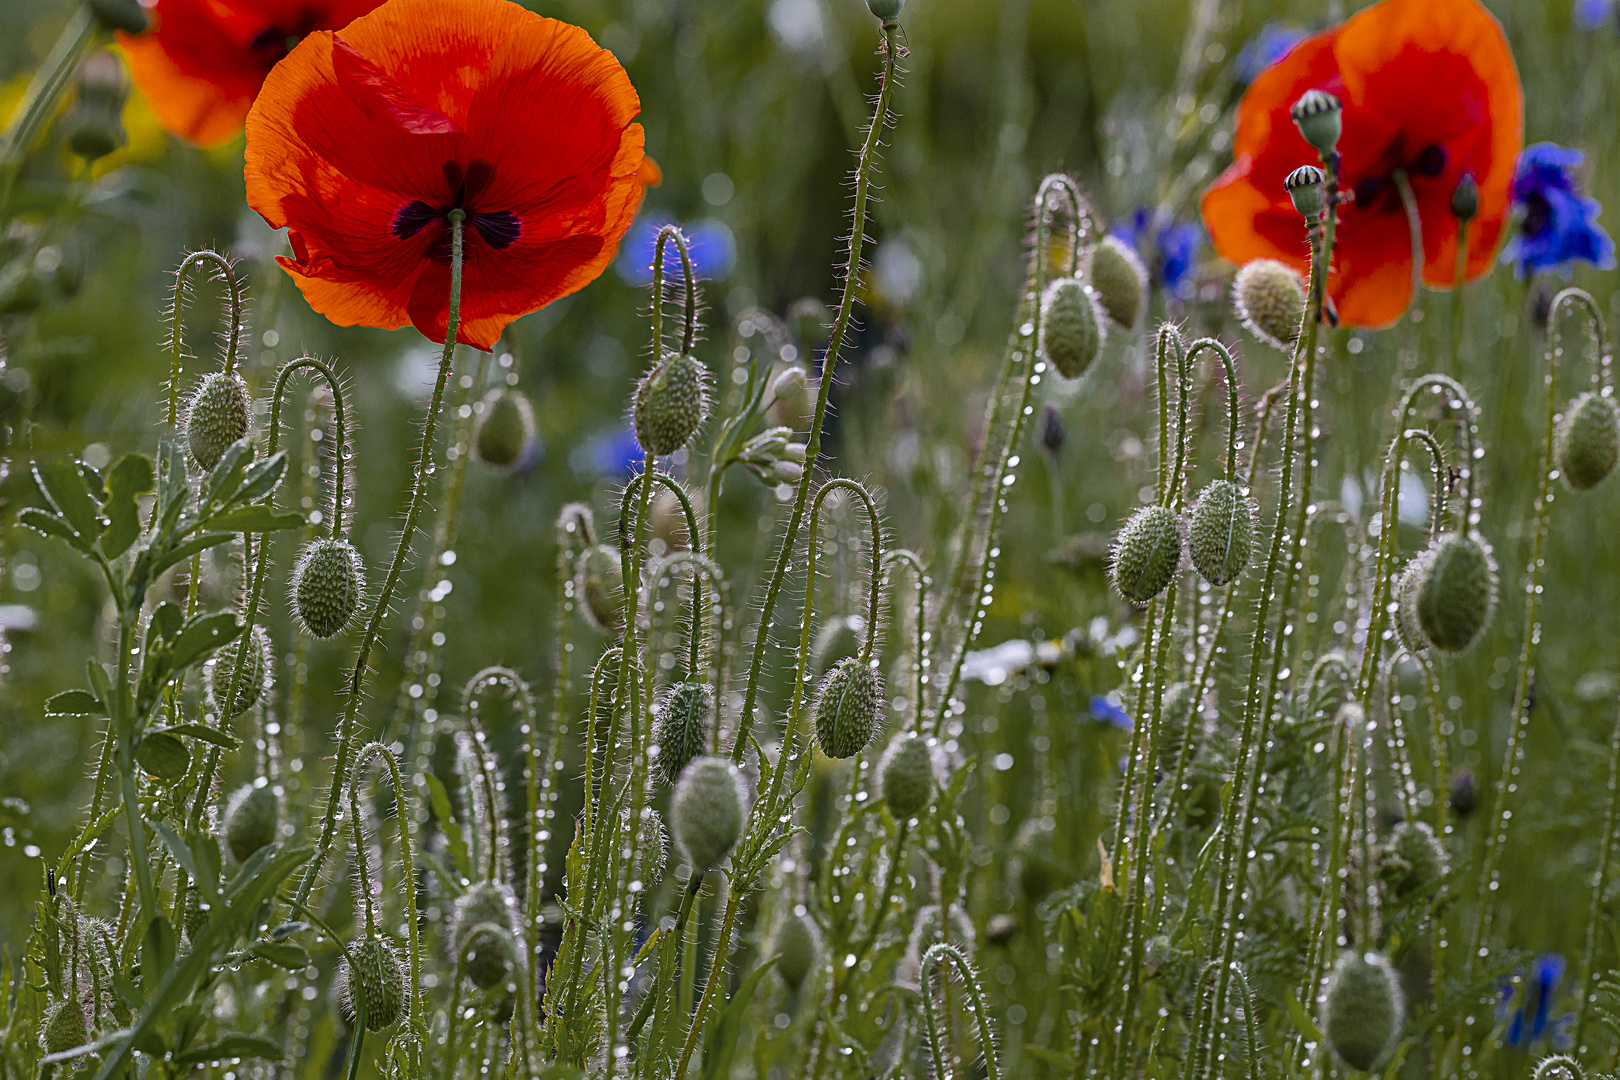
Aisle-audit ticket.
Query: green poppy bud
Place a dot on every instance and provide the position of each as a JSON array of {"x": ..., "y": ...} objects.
[
  {"x": 251, "y": 818},
  {"x": 796, "y": 944},
  {"x": 1220, "y": 532},
  {"x": 1587, "y": 443},
  {"x": 126, "y": 15},
  {"x": 886, "y": 10},
  {"x": 671, "y": 402},
  {"x": 1465, "y": 197},
  {"x": 1147, "y": 554},
  {"x": 376, "y": 978},
  {"x": 707, "y": 811},
  {"x": 217, "y": 417},
  {"x": 1071, "y": 332},
  {"x": 95, "y": 124},
  {"x": 1457, "y": 597},
  {"x": 327, "y": 582},
  {"x": 654, "y": 854},
  {"x": 681, "y": 726},
  {"x": 1317, "y": 115},
  {"x": 1412, "y": 859},
  {"x": 906, "y": 775},
  {"x": 1408, "y": 586},
  {"x": 257, "y": 674},
  {"x": 601, "y": 587},
  {"x": 848, "y": 708},
  {"x": 63, "y": 1028},
  {"x": 489, "y": 955},
  {"x": 1270, "y": 298},
  {"x": 1363, "y": 1008},
  {"x": 505, "y": 428},
  {"x": 838, "y": 639},
  {"x": 1305, "y": 186},
  {"x": 1119, "y": 280}
]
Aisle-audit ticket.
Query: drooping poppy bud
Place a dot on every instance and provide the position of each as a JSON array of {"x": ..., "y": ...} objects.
[
  {"x": 848, "y": 708},
  {"x": 1587, "y": 443},
  {"x": 217, "y": 417},
  {"x": 505, "y": 428},
  {"x": 1071, "y": 332},
  {"x": 1220, "y": 532},
  {"x": 490, "y": 958},
  {"x": 1270, "y": 299},
  {"x": 681, "y": 726},
  {"x": 376, "y": 979},
  {"x": 1362, "y": 1009},
  {"x": 796, "y": 944},
  {"x": 601, "y": 586},
  {"x": 706, "y": 811},
  {"x": 63, "y": 1027},
  {"x": 327, "y": 582},
  {"x": 906, "y": 776},
  {"x": 257, "y": 674},
  {"x": 1119, "y": 280},
  {"x": 1147, "y": 553},
  {"x": 1458, "y": 594},
  {"x": 251, "y": 819},
  {"x": 671, "y": 402}
]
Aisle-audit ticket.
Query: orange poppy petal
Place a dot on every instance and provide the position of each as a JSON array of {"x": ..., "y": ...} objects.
[{"x": 202, "y": 110}]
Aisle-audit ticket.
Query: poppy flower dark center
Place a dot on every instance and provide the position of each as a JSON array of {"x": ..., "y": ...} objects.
[
  {"x": 499, "y": 228},
  {"x": 1379, "y": 190}
]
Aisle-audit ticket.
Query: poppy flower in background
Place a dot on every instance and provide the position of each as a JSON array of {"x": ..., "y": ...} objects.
[
  {"x": 201, "y": 63},
  {"x": 1559, "y": 224},
  {"x": 1428, "y": 87},
  {"x": 362, "y": 143}
]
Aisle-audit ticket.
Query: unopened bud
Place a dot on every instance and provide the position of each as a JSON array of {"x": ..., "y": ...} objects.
[{"x": 1465, "y": 199}]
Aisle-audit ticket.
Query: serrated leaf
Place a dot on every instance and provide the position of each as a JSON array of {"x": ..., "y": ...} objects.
[
  {"x": 191, "y": 547},
  {"x": 222, "y": 739},
  {"x": 69, "y": 492},
  {"x": 132, "y": 476},
  {"x": 257, "y": 518},
  {"x": 75, "y": 703},
  {"x": 234, "y": 1045},
  {"x": 164, "y": 757}
]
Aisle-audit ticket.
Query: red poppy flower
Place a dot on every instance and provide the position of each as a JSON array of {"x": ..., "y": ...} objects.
[
  {"x": 1428, "y": 87},
  {"x": 361, "y": 143},
  {"x": 202, "y": 62}
]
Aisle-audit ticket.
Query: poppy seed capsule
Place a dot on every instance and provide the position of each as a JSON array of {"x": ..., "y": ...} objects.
[
  {"x": 256, "y": 675},
  {"x": 95, "y": 125},
  {"x": 1457, "y": 596},
  {"x": 1071, "y": 333},
  {"x": 906, "y": 774},
  {"x": 681, "y": 726},
  {"x": 671, "y": 402},
  {"x": 489, "y": 955},
  {"x": 1304, "y": 187},
  {"x": 1587, "y": 443},
  {"x": 1317, "y": 115},
  {"x": 601, "y": 585},
  {"x": 377, "y": 979},
  {"x": 1270, "y": 298},
  {"x": 796, "y": 945},
  {"x": 1120, "y": 280},
  {"x": 251, "y": 819},
  {"x": 706, "y": 812},
  {"x": 848, "y": 707},
  {"x": 63, "y": 1028},
  {"x": 1220, "y": 532},
  {"x": 1147, "y": 553},
  {"x": 1362, "y": 1008},
  {"x": 885, "y": 9},
  {"x": 838, "y": 639},
  {"x": 504, "y": 429},
  {"x": 217, "y": 417},
  {"x": 327, "y": 582}
]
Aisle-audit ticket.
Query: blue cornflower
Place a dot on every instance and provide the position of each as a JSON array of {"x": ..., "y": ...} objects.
[
  {"x": 1592, "y": 14},
  {"x": 1559, "y": 224},
  {"x": 1533, "y": 1021},
  {"x": 1170, "y": 250},
  {"x": 615, "y": 453},
  {"x": 709, "y": 242},
  {"x": 1267, "y": 47},
  {"x": 1108, "y": 711}
]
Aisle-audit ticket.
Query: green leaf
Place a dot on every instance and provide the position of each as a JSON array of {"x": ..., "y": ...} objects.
[
  {"x": 132, "y": 476},
  {"x": 191, "y": 547},
  {"x": 75, "y": 703},
  {"x": 166, "y": 621},
  {"x": 721, "y": 1045},
  {"x": 69, "y": 491},
  {"x": 100, "y": 684},
  {"x": 226, "y": 476},
  {"x": 257, "y": 518},
  {"x": 222, "y": 739},
  {"x": 164, "y": 756},
  {"x": 283, "y": 954},
  {"x": 262, "y": 478},
  {"x": 177, "y": 847},
  {"x": 265, "y": 881},
  {"x": 233, "y": 1045},
  {"x": 202, "y": 636},
  {"x": 157, "y": 951},
  {"x": 440, "y": 801},
  {"x": 172, "y": 488},
  {"x": 48, "y": 524}
]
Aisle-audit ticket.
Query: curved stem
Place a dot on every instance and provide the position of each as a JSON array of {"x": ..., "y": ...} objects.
[
  {"x": 223, "y": 271},
  {"x": 891, "y": 559},
  {"x": 987, "y": 1046},
  {"x": 402, "y": 814}
]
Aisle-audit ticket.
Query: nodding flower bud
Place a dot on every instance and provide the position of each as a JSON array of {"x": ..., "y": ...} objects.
[
  {"x": 848, "y": 708},
  {"x": 1587, "y": 443},
  {"x": 1362, "y": 1009},
  {"x": 251, "y": 818},
  {"x": 1147, "y": 553},
  {"x": 1408, "y": 586},
  {"x": 1119, "y": 280},
  {"x": 790, "y": 383},
  {"x": 654, "y": 855},
  {"x": 886, "y": 10},
  {"x": 327, "y": 582},
  {"x": 1220, "y": 532},
  {"x": 1412, "y": 859},
  {"x": 63, "y": 1027},
  {"x": 217, "y": 417},
  {"x": 774, "y": 457},
  {"x": 796, "y": 944},
  {"x": 838, "y": 639},
  {"x": 257, "y": 674},
  {"x": 671, "y": 402},
  {"x": 375, "y": 979},
  {"x": 706, "y": 811},
  {"x": 1270, "y": 298},
  {"x": 1304, "y": 185},
  {"x": 1317, "y": 114},
  {"x": 126, "y": 15},
  {"x": 1457, "y": 597},
  {"x": 1465, "y": 197},
  {"x": 505, "y": 428},
  {"x": 1053, "y": 432},
  {"x": 95, "y": 125},
  {"x": 488, "y": 903},
  {"x": 1071, "y": 332},
  {"x": 681, "y": 726},
  {"x": 906, "y": 775},
  {"x": 575, "y": 522},
  {"x": 601, "y": 585}
]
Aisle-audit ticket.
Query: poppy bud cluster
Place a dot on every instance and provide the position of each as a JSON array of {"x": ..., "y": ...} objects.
[{"x": 774, "y": 456}]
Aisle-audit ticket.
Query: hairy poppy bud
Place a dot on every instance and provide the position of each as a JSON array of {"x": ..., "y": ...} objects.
[
  {"x": 1270, "y": 297},
  {"x": 256, "y": 674},
  {"x": 95, "y": 125},
  {"x": 906, "y": 775},
  {"x": 1362, "y": 1009},
  {"x": 505, "y": 428},
  {"x": 601, "y": 586},
  {"x": 327, "y": 582},
  {"x": 1304, "y": 186},
  {"x": 681, "y": 726},
  {"x": 653, "y": 855},
  {"x": 796, "y": 944},
  {"x": 848, "y": 707},
  {"x": 251, "y": 819},
  {"x": 1457, "y": 597},
  {"x": 838, "y": 639},
  {"x": 1053, "y": 433},
  {"x": 63, "y": 1027},
  {"x": 887, "y": 10},
  {"x": 1119, "y": 280},
  {"x": 217, "y": 417},
  {"x": 193, "y": 916},
  {"x": 490, "y": 957},
  {"x": 377, "y": 979},
  {"x": 125, "y": 15},
  {"x": 1147, "y": 553},
  {"x": 1587, "y": 443},
  {"x": 1071, "y": 333},
  {"x": 1317, "y": 115},
  {"x": 1412, "y": 859},
  {"x": 706, "y": 811},
  {"x": 1408, "y": 586},
  {"x": 671, "y": 403},
  {"x": 1220, "y": 532}
]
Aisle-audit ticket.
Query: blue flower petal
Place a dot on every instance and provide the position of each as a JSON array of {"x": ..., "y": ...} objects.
[
  {"x": 1559, "y": 225},
  {"x": 1109, "y": 712},
  {"x": 1271, "y": 44}
]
